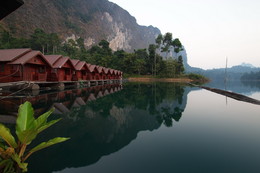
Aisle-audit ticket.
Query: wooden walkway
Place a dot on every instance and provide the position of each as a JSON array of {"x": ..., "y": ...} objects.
[{"x": 36, "y": 85}]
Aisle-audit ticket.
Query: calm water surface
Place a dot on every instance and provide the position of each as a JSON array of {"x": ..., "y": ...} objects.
[{"x": 161, "y": 127}]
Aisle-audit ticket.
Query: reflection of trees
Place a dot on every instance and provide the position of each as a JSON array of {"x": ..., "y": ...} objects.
[
  {"x": 251, "y": 84},
  {"x": 150, "y": 96},
  {"x": 109, "y": 123},
  {"x": 166, "y": 116}
]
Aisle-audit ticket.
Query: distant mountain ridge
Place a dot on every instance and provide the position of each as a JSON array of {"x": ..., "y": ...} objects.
[
  {"x": 92, "y": 20},
  {"x": 247, "y": 65},
  {"x": 231, "y": 73}
]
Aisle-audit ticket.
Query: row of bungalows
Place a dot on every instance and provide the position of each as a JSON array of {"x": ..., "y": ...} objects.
[{"x": 30, "y": 65}]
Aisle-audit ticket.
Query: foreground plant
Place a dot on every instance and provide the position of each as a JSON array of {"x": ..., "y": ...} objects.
[{"x": 13, "y": 154}]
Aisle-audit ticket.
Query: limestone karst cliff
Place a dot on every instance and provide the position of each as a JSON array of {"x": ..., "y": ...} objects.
[{"x": 92, "y": 20}]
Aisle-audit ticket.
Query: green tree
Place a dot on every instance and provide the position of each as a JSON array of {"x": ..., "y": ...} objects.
[
  {"x": 118, "y": 60},
  {"x": 169, "y": 68},
  {"x": 54, "y": 42},
  {"x": 6, "y": 39},
  {"x": 71, "y": 48},
  {"x": 167, "y": 42},
  {"x": 152, "y": 59},
  {"x": 179, "y": 66},
  {"x": 39, "y": 40},
  {"x": 177, "y": 46},
  {"x": 141, "y": 56}
]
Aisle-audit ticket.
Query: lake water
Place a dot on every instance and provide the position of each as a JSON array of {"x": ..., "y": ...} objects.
[{"x": 157, "y": 127}]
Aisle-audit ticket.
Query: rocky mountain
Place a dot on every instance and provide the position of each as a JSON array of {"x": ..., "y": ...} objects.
[{"x": 92, "y": 20}]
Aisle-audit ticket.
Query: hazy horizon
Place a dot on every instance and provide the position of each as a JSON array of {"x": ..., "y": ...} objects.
[{"x": 211, "y": 30}]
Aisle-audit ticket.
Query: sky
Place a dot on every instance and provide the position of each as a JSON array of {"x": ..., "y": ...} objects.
[{"x": 211, "y": 30}]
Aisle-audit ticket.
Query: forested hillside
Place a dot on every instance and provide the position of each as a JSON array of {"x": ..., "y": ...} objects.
[{"x": 90, "y": 20}]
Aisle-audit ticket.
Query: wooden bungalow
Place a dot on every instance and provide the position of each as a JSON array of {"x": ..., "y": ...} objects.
[
  {"x": 62, "y": 68},
  {"x": 22, "y": 65},
  {"x": 94, "y": 74},
  {"x": 101, "y": 73},
  {"x": 106, "y": 73},
  {"x": 115, "y": 74},
  {"x": 109, "y": 73},
  {"x": 82, "y": 70},
  {"x": 120, "y": 75}
]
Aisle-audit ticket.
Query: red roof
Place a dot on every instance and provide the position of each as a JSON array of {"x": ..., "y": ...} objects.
[
  {"x": 79, "y": 64},
  {"x": 52, "y": 58},
  {"x": 112, "y": 71},
  {"x": 12, "y": 54},
  {"x": 92, "y": 67},
  {"x": 99, "y": 68},
  {"x": 25, "y": 58},
  {"x": 88, "y": 65},
  {"x": 106, "y": 70},
  {"x": 60, "y": 63},
  {"x": 75, "y": 62}
]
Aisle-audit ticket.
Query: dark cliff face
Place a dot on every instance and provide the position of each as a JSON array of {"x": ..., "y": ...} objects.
[{"x": 92, "y": 20}]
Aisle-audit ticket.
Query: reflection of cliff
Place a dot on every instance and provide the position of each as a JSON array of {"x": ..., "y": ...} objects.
[{"x": 108, "y": 124}]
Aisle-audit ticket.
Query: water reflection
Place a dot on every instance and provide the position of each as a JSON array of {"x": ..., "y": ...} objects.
[
  {"x": 242, "y": 87},
  {"x": 64, "y": 102},
  {"x": 107, "y": 124}
]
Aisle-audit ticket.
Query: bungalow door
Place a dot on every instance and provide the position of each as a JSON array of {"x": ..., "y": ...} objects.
[
  {"x": 67, "y": 74},
  {"x": 28, "y": 72}
]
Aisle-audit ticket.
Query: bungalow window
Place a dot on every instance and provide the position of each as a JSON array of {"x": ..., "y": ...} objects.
[
  {"x": 67, "y": 72},
  {"x": 54, "y": 70},
  {"x": 2, "y": 68},
  {"x": 83, "y": 73},
  {"x": 41, "y": 69},
  {"x": 14, "y": 69}
]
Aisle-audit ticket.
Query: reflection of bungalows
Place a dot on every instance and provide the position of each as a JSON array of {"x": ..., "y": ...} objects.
[
  {"x": 22, "y": 65},
  {"x": 78, "y": 102},
  {"x": 82, "y": 70},
  {"x": 62, "y": 68}
]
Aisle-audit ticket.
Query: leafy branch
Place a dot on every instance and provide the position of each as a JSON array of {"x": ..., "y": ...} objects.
[{"x": 14, "y": 154}]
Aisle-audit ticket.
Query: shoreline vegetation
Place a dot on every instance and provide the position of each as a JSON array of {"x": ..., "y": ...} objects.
[
  {"x": 151, "y": 79},
  {"x": 184, "y": 78},
  {"x": 187, "y": 78}
]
